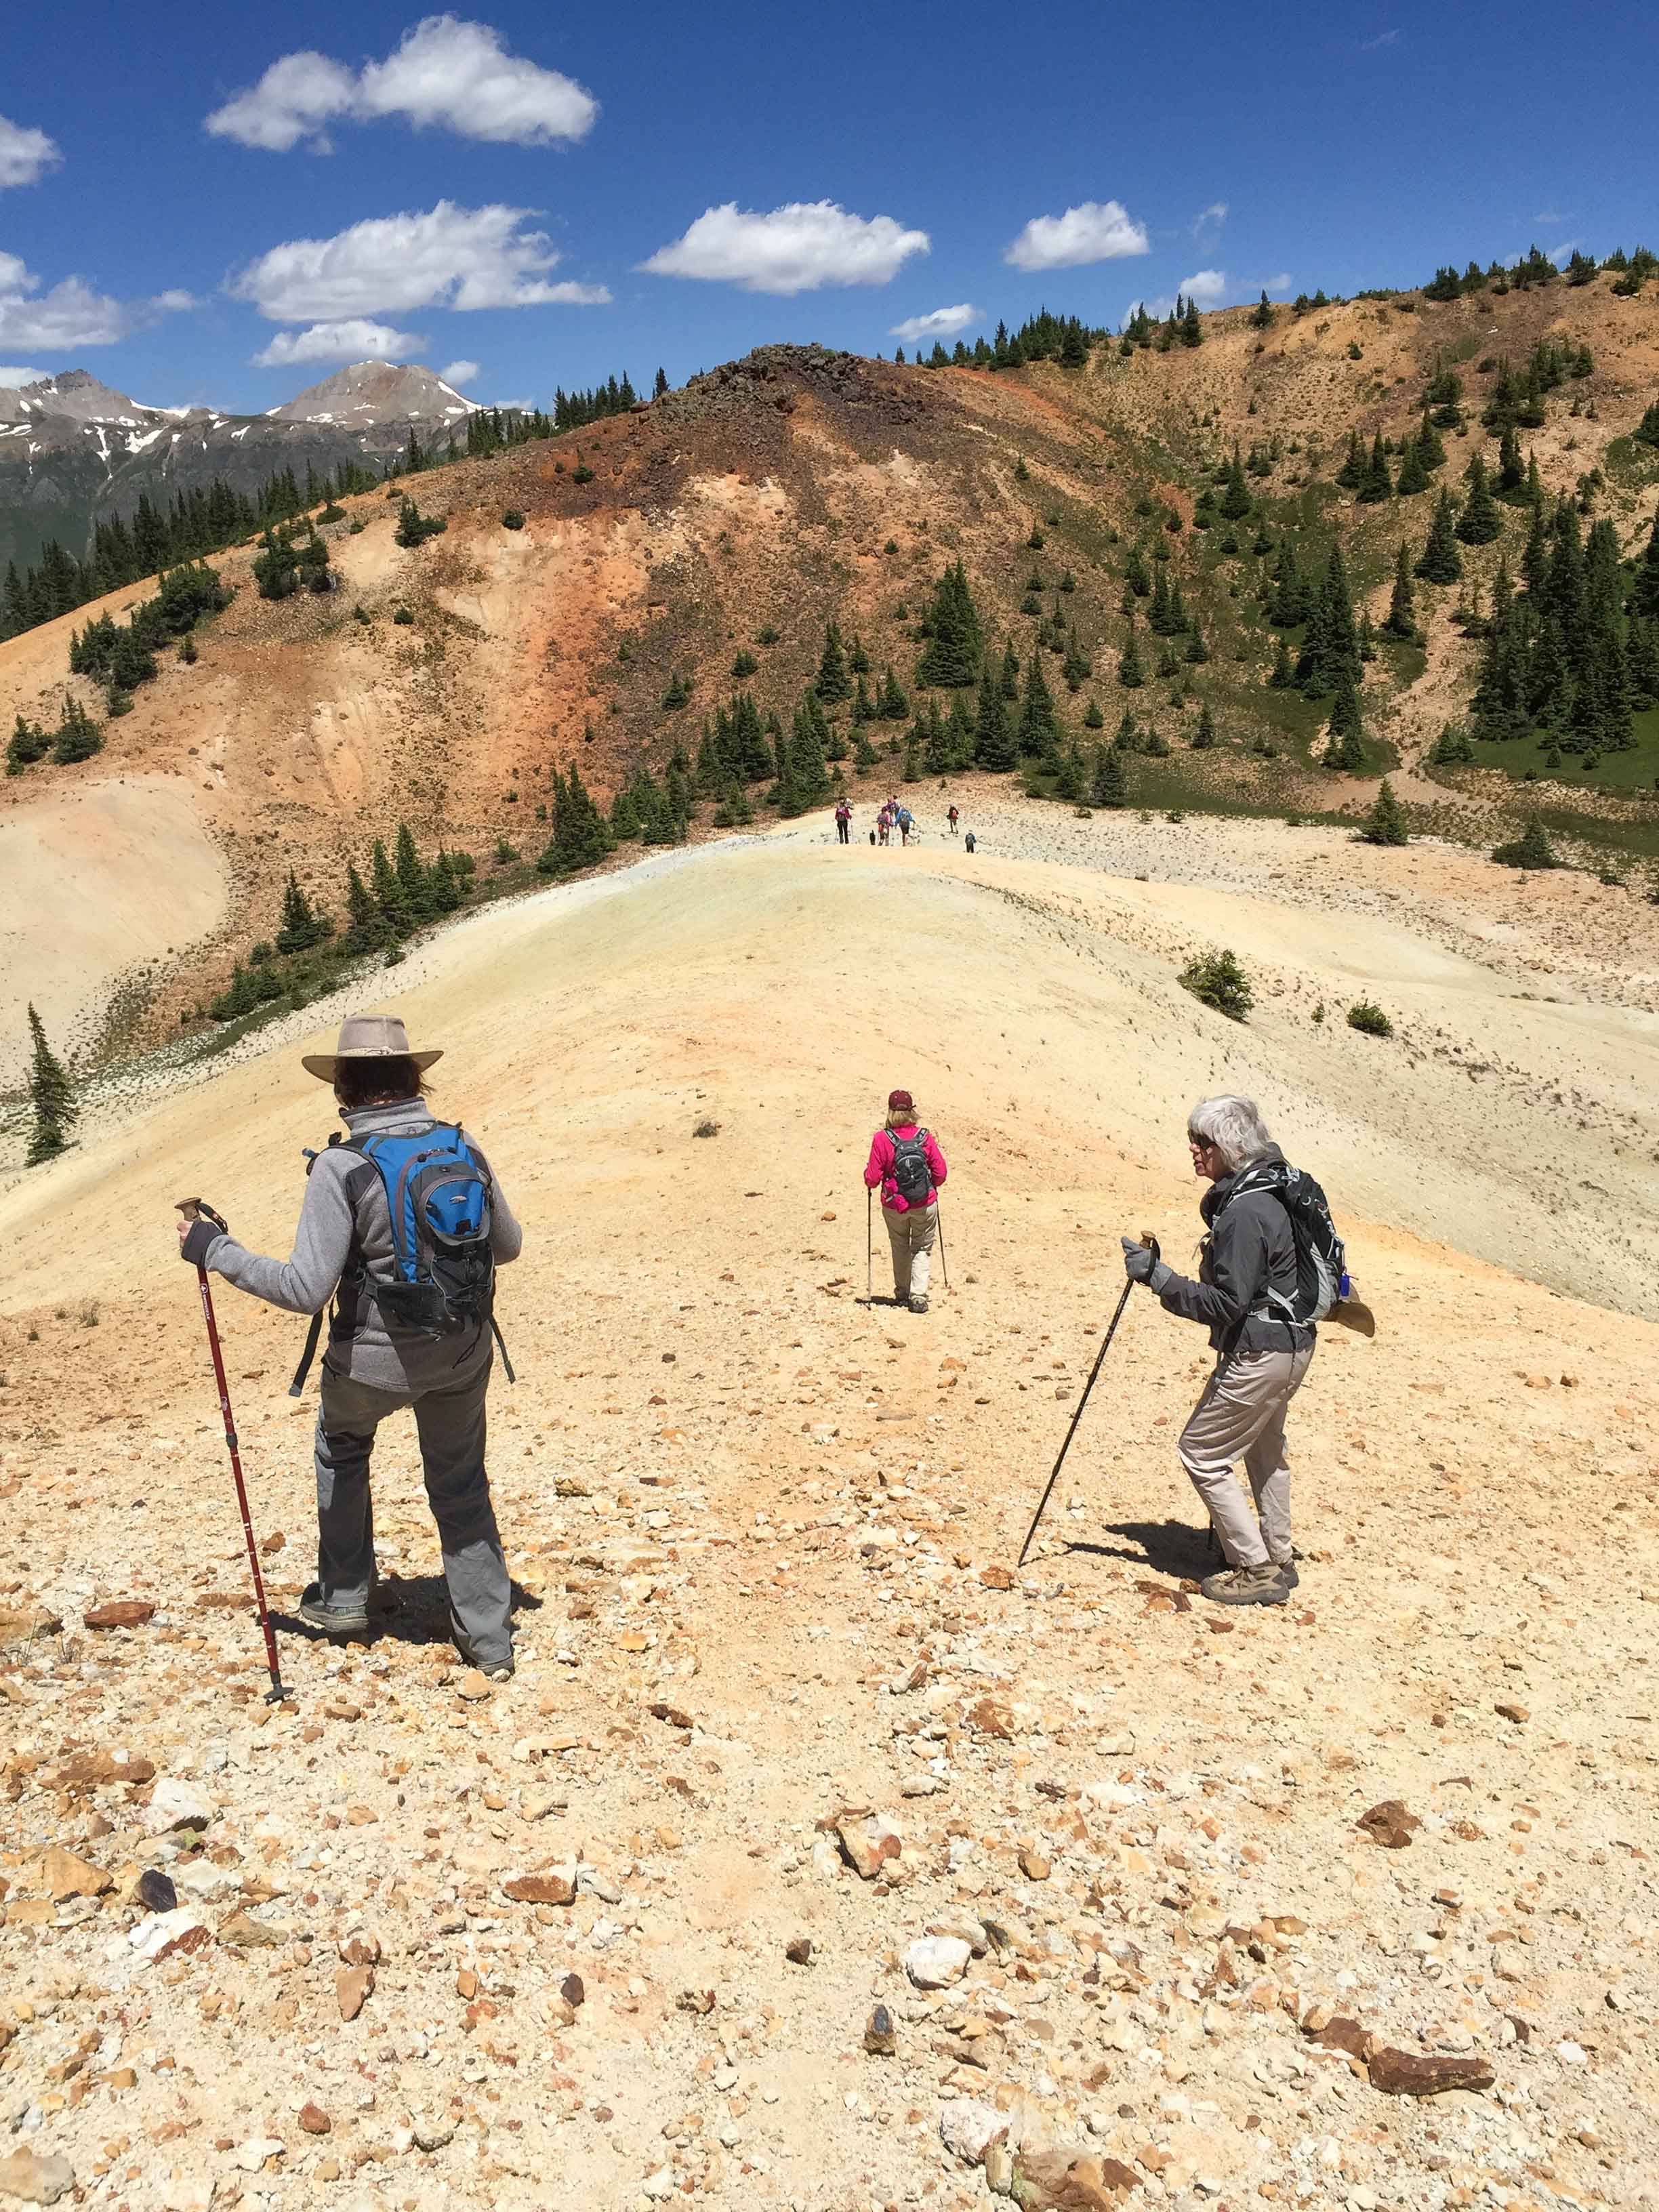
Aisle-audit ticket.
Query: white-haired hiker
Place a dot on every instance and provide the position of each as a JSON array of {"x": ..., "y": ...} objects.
[
  {"x": 344, "y": 1248},
  {"x": 1247, "y": 1276}
]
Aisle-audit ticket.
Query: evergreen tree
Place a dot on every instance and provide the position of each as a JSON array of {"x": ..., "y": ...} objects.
[
  {"x": 1110, "y": 786},
  {"x": 1283, "y": 673},
  {"x": 1346, "y": 749},
  {"x": 1532, "y": 849},
  {"x": 1039, "y": 732},
  {"x": 1134, "y": 573},
  {"x": 833, "y": 681},
  {"x": 1261, "y": 314},
  {"x": 412, "y": 877},
  {"x": 365, "y": 925},
  {"x": 1204, "y": 735},
  {"x": 580, "y": 838},
  {"x": 1351, "y": 474},
  {"x": 657, "y": 389},
  {"x": 1192, "y": 330},
  {"x": 1197, "y": 651},
  {"x": 302, "y": 926},
  {"x": 1440, "y": 562},
  {"x": 951, "y": 656},
  {"x": 77, "y": 736},
  {"x": 1451, "y": 747},
  {"x": 1402, "y": 620},
  {"x": 1645, "y": 592},
  {"x": 1413, "y": 472},
  {"x": 51, "y": 1097},
  {"x": 1375, "y": 484},
  {"x": 1008, "y": 680},
  {"x": 1235, "y": 498},
  {"x": 1130, "y": 673},
  {"x": 1330, "y": 648},
  {"x": 1480, "y": 523},
  {"x": 1077, "y": 665},
  {"x": 894, "y": 706},
  {"x": 995, "y": 744},
  {"x": 1386, "y": 822}
]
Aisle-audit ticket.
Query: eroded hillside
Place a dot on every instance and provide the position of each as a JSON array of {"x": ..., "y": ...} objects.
[{"x": 762, "y": 502}]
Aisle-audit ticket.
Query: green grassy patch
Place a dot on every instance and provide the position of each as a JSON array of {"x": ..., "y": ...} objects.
[{"x": 1633, "y": 771}]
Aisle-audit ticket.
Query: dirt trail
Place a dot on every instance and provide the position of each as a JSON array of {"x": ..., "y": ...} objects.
[{"x": 760, "y": 1532}]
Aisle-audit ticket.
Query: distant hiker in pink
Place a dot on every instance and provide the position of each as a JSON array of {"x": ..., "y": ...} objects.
[
  {"x": 843, "y": 823},
  {"x": 953, "y": 818},
  {"x": 907, "y": 1166}
]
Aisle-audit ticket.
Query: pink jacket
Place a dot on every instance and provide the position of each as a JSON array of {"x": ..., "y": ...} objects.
[{"x": 880, "y": 1167}]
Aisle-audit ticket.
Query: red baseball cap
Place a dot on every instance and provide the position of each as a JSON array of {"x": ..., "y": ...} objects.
[{"x": 895, "y": 1098}]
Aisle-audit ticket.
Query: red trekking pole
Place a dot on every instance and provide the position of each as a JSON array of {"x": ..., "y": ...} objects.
[{"x": 194, "y": 1209}]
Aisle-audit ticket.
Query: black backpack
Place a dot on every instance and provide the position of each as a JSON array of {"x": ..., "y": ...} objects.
[
  {"x": 1321, "y": 1278},
  {"x": 913, "y": 1178}
]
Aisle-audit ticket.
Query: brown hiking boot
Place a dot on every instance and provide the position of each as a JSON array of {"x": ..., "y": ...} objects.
[{"x": 1262, "y": 1585}]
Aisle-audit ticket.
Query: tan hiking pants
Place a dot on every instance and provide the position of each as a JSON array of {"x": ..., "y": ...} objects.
[
  {"x": 911, "y": 1235},
  {"x": 1241, "y": 1416}
]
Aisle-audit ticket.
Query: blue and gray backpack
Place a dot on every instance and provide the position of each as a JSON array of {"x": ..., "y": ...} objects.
[{"x": 442, "y": 1270}]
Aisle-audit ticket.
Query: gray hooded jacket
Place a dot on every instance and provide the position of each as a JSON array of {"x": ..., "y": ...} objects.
[
  {"x": 345, "y": 1218},
  {"x": 1250, "y": 1251}
]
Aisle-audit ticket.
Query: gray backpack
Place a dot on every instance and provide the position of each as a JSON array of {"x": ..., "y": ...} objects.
[{"x": 913, "y": 1178}]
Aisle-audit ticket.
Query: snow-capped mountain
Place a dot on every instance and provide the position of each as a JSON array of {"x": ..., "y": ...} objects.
[{"x": 72, "y": 450}]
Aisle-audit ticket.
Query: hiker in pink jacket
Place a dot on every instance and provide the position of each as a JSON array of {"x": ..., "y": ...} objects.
[{"x": 908, "y": 1167}]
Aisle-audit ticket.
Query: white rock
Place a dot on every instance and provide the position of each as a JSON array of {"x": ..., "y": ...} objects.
[
  {"x": 201, "y": 1879},
  {"x": 921, "y": 1786},
  {"x": 1573, "y": 2054},
  {"x": 967, "y": 2128},
  {"x": 157, "y": 1929},
  {"x": 191, "y": 2192},
  {"x": 251, "y": 2154},
  {"x": 174, "y": 1804},
  {"x": 933, "y": 1962},
  {"x": 659, "y": 2186}
]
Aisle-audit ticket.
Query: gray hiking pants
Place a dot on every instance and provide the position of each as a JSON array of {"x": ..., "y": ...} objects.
[
  {"x": 1240, "y": 1415},
  {"x": 911, "y": 1235},
  {"x": 450, "y": 1422}
]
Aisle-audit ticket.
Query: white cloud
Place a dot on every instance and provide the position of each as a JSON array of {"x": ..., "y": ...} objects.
[
  {"x": 1551, "y": 216},
  {"x": 942, "y": 323},
  {"x": 1206, "y": 286},
  {"x": 459, "y": 373},
  {"x": 71, "y": 314},
  {"x": 1097, "y": 230},
  {"x": 1382, "y": 39},
  {"x": 25, "y": 155},
  {"x": 451, "y": 257},
  {"x": 447, "y": 73},
  {"x": 354, "y": 340},
  {"x": 1562, "y": 254},
  {"x": 796, "y": 248},
  {"x": 292, "y": 101},
  {"x": 1280, "y": 283},
  {"x": 1207, "y": 223},
  {"x": 174, "y": 302},
  {"x": 12, "y": 380}
]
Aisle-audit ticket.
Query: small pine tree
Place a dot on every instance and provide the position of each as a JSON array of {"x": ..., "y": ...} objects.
[
  {"x": 1283, "y": 673},
  {"x": 302, "y": 926},
  {"x": 1130, "y": 673},
  {"x": 1532, "y": 849},
  {"x": 1216, "y": 980},
  {"x": 1111, "y": 786},
  {"x": 1402, "y": 620},
  {"x": 1440, "y": 562},
  {"x": 1346, "y": 749},
  {"x": 1480, "y": 522},
  {"x": 51, "y": 1097},
  {"x": 1386, "y": 822},
  {"x": 1204, "y": 735},
  {"x": 1261, "y": 314},
  {"x": 833, "y": 683}
]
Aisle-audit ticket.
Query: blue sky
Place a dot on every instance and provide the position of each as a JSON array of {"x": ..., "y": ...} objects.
[{"x": 223, "y": 209}]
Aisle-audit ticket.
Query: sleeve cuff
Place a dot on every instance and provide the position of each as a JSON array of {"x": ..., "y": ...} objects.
[{"x": 199, "y": 1243}]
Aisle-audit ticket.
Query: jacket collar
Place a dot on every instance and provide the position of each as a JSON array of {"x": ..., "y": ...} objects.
[
  {"x": 1224, "y": 1186},
  {"x": 383, "y": 1120}
]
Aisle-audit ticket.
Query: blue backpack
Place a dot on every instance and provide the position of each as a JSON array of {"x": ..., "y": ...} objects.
[{"x": 438, "y": 1195}]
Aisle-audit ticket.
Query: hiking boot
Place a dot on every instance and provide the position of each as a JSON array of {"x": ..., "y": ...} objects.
[
  {"x": 919, "y": 1305},
  {"x": 1262, "y": 1585},
  {"x": 1286, "y": 1570},
  {"x": 493, "y": 1670},
  {"x": 350, "y": 1619}
]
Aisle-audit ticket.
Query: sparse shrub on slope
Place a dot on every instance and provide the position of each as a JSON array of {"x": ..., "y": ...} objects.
[{"x": 1216, "y": 980}]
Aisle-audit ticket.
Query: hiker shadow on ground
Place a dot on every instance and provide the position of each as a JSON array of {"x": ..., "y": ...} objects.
[
  {"x": 407, "y": 1610},
  {"x": 1168, "y": 1547}
]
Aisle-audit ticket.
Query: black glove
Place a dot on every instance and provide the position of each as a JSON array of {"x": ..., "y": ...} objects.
[
  {"x": 1142, "y": 1265},
  {"x": 198, "y": 1239}
]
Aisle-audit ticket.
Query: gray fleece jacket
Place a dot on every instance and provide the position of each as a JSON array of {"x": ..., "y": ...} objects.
[
  {"x": 1250, "y": 1251},
  {"x": 345, "y": 1218}
]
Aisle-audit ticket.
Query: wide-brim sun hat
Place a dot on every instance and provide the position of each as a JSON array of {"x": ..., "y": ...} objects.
[{"x": 367, "y": 1036}]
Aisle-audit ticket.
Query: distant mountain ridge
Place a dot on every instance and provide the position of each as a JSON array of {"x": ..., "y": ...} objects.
[{"x": 74, "y": 451}]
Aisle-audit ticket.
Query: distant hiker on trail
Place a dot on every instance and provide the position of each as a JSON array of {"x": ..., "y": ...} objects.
[
  {"x": 884, "y": 823},
  {"x": 1267, "y": 1227},
  {"x": 953, "y": 818},
  {"x": 906, "y": 823},
  {"x": 907, "y": 1166},
  {"x": 843, "y": 822},
  {"x": 970, "y": 843},
  {"x": 411, "y": 1327}
]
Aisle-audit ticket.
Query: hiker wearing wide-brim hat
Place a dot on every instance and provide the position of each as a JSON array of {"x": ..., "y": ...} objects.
[
  {"x": 412, "y": 1325},
  {"x": 907, "y": 1166}
]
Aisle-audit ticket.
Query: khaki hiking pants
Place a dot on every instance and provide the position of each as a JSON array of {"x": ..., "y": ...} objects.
[
  {"x": 912, "y": 1235},
  {"x": 1241, "y": 1416}
]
